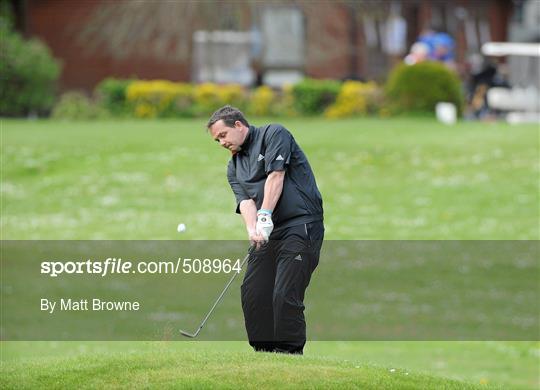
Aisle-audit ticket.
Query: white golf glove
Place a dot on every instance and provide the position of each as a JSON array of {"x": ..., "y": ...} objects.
[{"x": 264, "y": 225}]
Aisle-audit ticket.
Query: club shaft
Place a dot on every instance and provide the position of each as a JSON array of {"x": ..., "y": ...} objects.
[{"x": 221, "y": 295}]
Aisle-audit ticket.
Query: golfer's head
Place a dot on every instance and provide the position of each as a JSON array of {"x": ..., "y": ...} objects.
[{"x": 228, "y": 127}]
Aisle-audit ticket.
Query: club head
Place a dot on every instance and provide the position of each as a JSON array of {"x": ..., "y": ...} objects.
[{"x": 191, "y": 336}]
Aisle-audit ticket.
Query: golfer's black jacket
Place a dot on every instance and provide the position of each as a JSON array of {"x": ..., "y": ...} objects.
[{"x": 272, "y": 148}]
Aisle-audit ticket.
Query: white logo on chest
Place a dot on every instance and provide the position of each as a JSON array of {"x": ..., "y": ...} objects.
[{"x": 261, "y": 157}]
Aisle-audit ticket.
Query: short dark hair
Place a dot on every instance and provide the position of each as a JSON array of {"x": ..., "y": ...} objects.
[{"x": 229, "y": 115}]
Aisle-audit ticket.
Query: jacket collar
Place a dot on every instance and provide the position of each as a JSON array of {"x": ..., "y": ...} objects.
[{"x": 249, "y": 139}]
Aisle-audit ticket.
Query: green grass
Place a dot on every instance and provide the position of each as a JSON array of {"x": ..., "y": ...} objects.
[
  {"x": 326, "y": 364},
  {"x": 360, "y": 291},
  {"x": 228, "y": 365},
  {"x": 191, "y": 368},
  {"x": 380, "y": 179}
]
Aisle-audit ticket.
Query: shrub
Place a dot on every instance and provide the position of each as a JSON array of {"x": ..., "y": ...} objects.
[
  {"x": 206, "y": 98},
  {"x": 76, "y": 106},
  {"x": 355, "y": 98},
  {"x": 111, "y": 93},
  {"x": 233, "y": 94},
  {"x": 28, "y": 74},
  {"x": 209, "y": 97},
  {"x": 419, "y": 87},
  {"x": 284, "y": 105},
  {"x": 160, "y": 98},
  {"x": 262, "y": 101},
  {"x": 314, "y": 96}
]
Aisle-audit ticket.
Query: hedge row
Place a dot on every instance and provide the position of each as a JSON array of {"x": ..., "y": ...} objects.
[
  {"x": 406, "y": 91},
  {"x": 167, "y": 99}
]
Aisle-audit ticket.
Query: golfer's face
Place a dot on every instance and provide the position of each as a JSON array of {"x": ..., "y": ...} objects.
[{"x": 229, "y": 137}]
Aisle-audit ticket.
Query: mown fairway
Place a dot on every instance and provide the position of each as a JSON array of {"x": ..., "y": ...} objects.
[
  {"x": 364, "y": 364},
  {"x": 204, "y": 368},
  {"x": 380, "y": 179}
]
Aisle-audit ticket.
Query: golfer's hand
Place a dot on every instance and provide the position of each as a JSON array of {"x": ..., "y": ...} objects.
[
  {"x": 264, "y": 225},
  {"x": 255, "y": 239}
]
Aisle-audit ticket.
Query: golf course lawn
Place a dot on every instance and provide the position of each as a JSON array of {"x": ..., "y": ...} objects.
[
  {"x": 380, "y": 179},
  {"x": 193, "y": 367},
  {"x": 325, "y": 364},
  {"x": 393, "y": 179}
]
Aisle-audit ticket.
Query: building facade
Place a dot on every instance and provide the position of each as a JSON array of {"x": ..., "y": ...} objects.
[{"x": 248, "y": 41}]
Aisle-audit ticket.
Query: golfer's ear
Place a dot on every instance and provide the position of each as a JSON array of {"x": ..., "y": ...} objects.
[{"x": 238, "y": 124}]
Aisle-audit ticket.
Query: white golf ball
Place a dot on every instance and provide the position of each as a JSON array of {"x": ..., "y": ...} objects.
[{"x": 181, "y": 228}]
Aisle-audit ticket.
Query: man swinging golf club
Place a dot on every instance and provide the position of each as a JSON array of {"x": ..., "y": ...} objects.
[{"x": 281, "y": 206}]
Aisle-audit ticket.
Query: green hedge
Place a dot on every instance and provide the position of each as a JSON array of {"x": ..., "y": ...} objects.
[
  {"x": 28, "y": 74},
  {"x": 312, "y": 97},
  {"x": 410, "y": 89},
  {"x": 112, "y": 96},
  {"x": 418, "y": 88}
]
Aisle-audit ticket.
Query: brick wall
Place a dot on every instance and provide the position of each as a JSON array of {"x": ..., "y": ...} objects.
[
  {"x": 329, "y": 35},
  {"x": 59, "y": 24}
]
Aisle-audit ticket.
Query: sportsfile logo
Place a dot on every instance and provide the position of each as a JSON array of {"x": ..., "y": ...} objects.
[{"x": 113, "y": 265}]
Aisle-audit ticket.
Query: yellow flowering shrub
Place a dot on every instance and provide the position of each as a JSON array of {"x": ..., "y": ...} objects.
[
  {"x": 163, "y": 98},
  {"x": 158, "y": 98},
  {"x": 206, "y": 94},
  {"x": 262, "y": 100},
  {"x": 353, "y": 99},
  {"x": 208, "y": 97},
  {"x": 232, "y": 94},
  {"x": 144, "y": 110}
]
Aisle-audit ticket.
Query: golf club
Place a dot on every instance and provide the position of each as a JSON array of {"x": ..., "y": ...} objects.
[{"x": 193, "y": 335}]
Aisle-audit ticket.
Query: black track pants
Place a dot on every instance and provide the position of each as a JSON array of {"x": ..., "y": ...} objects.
[{"x": 273, "y": 289}]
